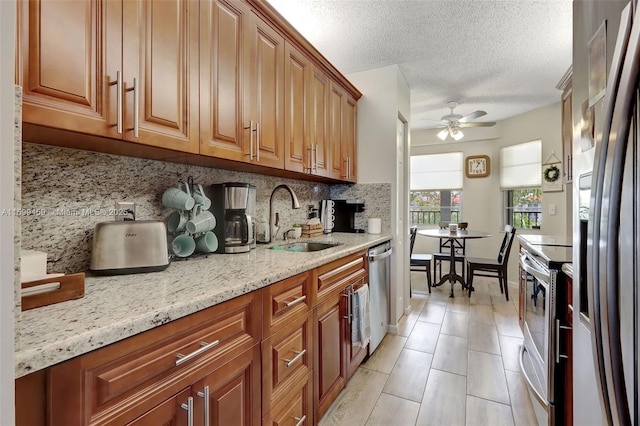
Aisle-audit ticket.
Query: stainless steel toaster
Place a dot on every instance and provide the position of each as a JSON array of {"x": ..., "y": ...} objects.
[{"x": 129, "y": 247}]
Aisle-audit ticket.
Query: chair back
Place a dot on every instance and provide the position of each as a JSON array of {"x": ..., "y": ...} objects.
[
  {"x": 414, "y": 230},
  {"x": 507, "y": 241},
  {"x": 460, "y": 246}
]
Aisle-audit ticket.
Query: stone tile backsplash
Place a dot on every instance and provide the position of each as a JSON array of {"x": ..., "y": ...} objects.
[{"x": 70, "y": 191}]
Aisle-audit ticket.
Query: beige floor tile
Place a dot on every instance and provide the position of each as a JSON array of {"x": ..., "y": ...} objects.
[
  {"x": 481, "y": 314},
  {"x": 385, "y": 356},
  {"x": 423, "y": 337},
  {"x": 455, "y": 324},
  {"x": 485, "y": 377},
  {"x": 510, "y": 347},
  {"x": 419, "y": 282},
  {"x": 407, "y": 322},
  {"x": 451, "y": 355},
  {"x": 355, "y": 403},
  {"x": 409, "y": 376},
  {"x": 508, "y": 325},
  {"x": 521, "y": 405},
  {"x": 391, "y": 410},
  {"x": 458, "y": 304},
  {"x": 480, "y": 299},
  {"x": 483, "y": 338},
  {"x": 433, "y": 312},
  {"x": 481, "y": 412},
  {"x": 501, "y": 305},
  {"x": 444, "y": 400}
]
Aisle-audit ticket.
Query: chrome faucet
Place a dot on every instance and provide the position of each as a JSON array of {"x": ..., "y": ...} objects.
[{"x": 294, "y": 205}]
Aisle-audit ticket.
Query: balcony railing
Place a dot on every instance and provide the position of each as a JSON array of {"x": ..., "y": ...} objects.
[
  {"x": 431, "y": 217},
  {"x": 526, "y": 219}
]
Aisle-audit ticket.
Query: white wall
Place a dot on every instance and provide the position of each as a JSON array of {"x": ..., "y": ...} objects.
[
  {"x": 385, "y": 96},
  {"x": 7, "y": 30},
  {"x": 482, "y": 198}
]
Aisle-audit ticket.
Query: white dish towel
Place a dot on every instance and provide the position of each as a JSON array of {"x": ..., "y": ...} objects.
[{"x": 364, "y": 322}]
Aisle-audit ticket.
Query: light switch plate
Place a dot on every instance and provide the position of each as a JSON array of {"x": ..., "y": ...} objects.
[
  {"x": 552, "y": 209},
  {"x": 125, "y": 210}
]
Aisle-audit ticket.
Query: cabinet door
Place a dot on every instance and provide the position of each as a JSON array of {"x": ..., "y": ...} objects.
[
  {"x": 224, "y": 55},
  {"x": 68, "y": 55},
  {"x": 354, "y": 350},
  {"x": 349, "y": 139},
  {"x": 160, "y": 55},
  {"x": 329, "y": 365},
  {"x": 264, "y": 101},
  {"x": 170, "y": 412},
  {"x": 298, "y": 72},
  {"x": 567, "y": 133},
  {"x": 319, "y": 126},
  {"x": 338, "y": 167},
  {"x": 295, "y": 409},
  {"x": 231, "y": 393}
]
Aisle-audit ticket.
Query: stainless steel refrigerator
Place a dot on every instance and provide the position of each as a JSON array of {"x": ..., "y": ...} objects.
[{"x": 606, "y": 194}]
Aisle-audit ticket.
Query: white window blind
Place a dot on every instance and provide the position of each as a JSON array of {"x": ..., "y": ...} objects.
[
  {"x": 436, "y": 171},
  {"x": 520, "y": 165}
]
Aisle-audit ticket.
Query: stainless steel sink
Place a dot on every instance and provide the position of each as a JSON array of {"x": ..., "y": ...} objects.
[{"x": 304, "y": 246}]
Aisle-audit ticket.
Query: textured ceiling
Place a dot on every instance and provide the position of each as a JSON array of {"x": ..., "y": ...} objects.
[{"x": 503, "y": 57}]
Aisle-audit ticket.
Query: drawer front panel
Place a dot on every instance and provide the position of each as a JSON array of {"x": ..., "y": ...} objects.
[
  {"x": 285, "y": 300},
  {"x": 295, "y": 408},
  {"x": 286, "y": 355},
  {"x": 336, "y": 275}
]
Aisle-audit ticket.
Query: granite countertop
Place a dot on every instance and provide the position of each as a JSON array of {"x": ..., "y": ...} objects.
[
  {"x": 553, "y": 251},
  {"x": 118, "y": 307}
]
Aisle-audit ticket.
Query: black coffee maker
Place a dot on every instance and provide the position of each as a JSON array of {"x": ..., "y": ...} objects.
[
  {"x": 229, "y": 203},
  {"x": 345, "y": 216}
]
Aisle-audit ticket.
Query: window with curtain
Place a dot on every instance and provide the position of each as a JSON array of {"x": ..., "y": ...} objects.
[
  {"x": 436, "y": 188},
  {"x": 520, "y": 182}
]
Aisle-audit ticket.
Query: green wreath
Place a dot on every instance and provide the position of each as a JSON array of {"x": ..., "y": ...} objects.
[{"x": 552, "y": 173}]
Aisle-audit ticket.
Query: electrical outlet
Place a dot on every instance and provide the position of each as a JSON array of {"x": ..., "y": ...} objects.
[
  {"x": 552, "y": 209},
  {"x": 125, "y": 210}
]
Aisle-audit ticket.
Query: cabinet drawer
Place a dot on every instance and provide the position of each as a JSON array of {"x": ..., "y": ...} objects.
[
  {"x": 336, "y": 275},
  {"x": 296, "y": 408},
  {"x": 286, "y": 356},
  {"x": 285, "y": 300},
  {"x": 115, "y": 384}
]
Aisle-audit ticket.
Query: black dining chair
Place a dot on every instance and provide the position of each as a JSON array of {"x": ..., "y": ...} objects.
[
  {"x": 493, "y": 268},
  {"x": 419, "y": 262},
  {"x": 444, "y": 255}
]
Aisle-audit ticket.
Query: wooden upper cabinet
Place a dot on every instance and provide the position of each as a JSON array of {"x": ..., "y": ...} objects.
[
  {"x": 264, "y": 95},
  {"x": 66, "y": 50},
  {"x": 336, "y": 101},
  {"x": 160, "y": 53},
  {"x": 224, "y": 52},
  {"x": 319, "y": 126},
  {"x": 349, "y": 137},
  {"x": 298, "y": 71}
]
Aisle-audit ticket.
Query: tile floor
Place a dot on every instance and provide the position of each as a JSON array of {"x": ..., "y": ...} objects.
[{"x": 453, "y": 362}]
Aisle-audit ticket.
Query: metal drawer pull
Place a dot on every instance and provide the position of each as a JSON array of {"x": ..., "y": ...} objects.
[
  {"x": 258, "y": 141},
  {"x": 295, "y": 301},
  {"x": 205, "y": 347},
  {"x": 189, "y": 407},
  {"x": 295, "y": 358},
  {"x": 250, "y": 139},
  {"x": 136, "y": 108},
  {"x": 118, "y": 84},
  {"x": 205, "y": 395},
  {"x": 558, "y": 328},
  {"x": 300, "y": 420}
]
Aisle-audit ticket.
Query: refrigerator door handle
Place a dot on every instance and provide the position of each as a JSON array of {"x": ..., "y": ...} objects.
[
  {"x": 604, "y": 219},
  {"x": 621, "y": 126}
]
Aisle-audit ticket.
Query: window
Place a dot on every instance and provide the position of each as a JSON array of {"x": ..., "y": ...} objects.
[
  {"x": 436, "y": 188},
  {"x": 520, "y": 181}
]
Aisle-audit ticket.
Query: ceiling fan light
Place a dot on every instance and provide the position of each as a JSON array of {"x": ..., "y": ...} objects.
[
  {"x": 442, "y": 134},
  {"x": 456, "y": 133}
]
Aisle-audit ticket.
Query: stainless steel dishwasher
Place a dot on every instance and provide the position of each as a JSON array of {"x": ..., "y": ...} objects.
[{"x": 379, "y": 278}]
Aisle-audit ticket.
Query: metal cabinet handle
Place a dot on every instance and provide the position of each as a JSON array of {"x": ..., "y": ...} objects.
[
  {"x": 136, "y": 108},
  {"x": 348, "y": 296},
  {"x": 558, "y": 328},
  {"x": 300, "y": 420},
  {"x": 204, "y": 347},
  {"x": 310, "y": 149},
  {"x": 189, "y": 407},
  {"x": 205, "y": 395},
  {"x": 258, "y": 141},
  {"x": 118, "y": 84},
  {"x": 315, "y": 158},
  {"x": 295, "y": 301},
  {"x": 299, "y": 355},
  {"x": 250, "y": 128}
]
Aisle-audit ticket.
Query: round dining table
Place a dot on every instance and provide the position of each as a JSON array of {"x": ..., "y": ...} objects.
[{"x": 460, "y": 234}]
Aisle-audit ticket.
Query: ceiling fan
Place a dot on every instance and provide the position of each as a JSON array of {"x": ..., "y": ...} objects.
[{"x": 452, "y": 123}]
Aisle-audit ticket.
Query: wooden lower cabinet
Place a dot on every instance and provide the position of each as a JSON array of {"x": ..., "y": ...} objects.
[
  {"x": 170, "y": 412},
  {"x": 329, "y": 365},
  {"x": 296, "y": 409}
]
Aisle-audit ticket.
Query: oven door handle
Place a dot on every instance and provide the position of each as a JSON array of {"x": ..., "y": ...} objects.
[{"x": 530, "y": 269}]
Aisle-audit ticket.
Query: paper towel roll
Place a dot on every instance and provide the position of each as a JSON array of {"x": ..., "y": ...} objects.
[
  {"x": 374, "y": 225},
  {"x": 33, "y": 265}
]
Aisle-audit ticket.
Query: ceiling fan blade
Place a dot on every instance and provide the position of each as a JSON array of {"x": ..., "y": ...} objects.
[
  {"x": 473, "y": 115},
  {"x": 478, "y": 124}
]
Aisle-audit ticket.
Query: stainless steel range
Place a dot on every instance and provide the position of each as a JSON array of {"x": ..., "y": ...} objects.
[{"x": 540, "y": 307}]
